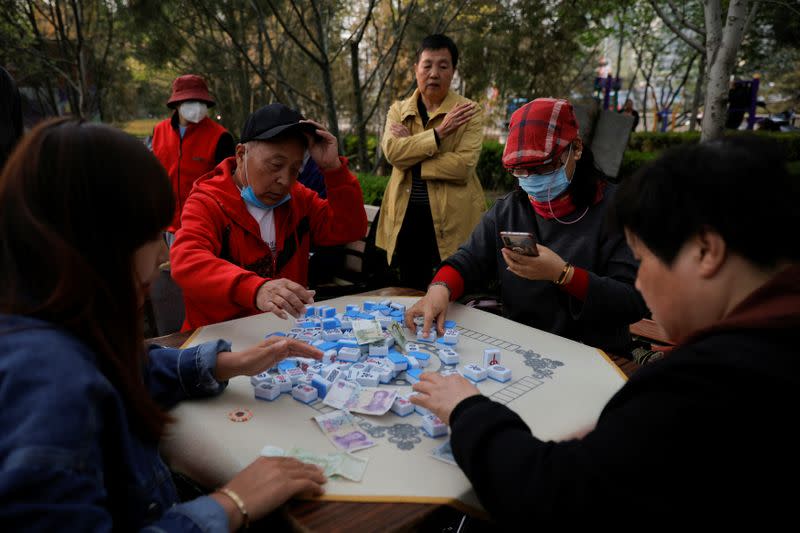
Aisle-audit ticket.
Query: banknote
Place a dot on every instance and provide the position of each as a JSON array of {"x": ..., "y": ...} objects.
[
  {"x": 352, "y": 467},
  {"x": 367, "y": 331},
  {"x": 328, "y": 463},
  {"x": 341, "y": 429},
  {"x": 444, "y": 453},
  {"x": 341, "y": 464},
  {"x": 341, "y": 394},
  {"x": 372, "y": 400},
  {"x": 399, "y": 337}
]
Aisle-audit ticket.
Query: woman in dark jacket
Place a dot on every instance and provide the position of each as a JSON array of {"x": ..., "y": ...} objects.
[{"x": 580, "y": 285}]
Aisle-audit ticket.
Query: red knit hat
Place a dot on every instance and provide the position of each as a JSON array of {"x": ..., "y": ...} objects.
[
  {"x": 538, "y": 132},
  {"x": 189, "y": 87}
]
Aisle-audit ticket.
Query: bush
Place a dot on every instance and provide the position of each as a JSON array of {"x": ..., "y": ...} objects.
[
  {"x": 656, "y": 142},
  {"x": 632, "y": 160},
  {"x": 351, "y": 147},
  {"x": 372, "y": 186},
  {"x": 490, "y": 168}
]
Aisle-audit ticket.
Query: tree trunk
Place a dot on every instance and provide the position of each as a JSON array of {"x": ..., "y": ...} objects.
[
  {"x": 722, "y": 45},
  {"x": 327, "y": 79},
  {"x": 619, "y": 53},
  {"x": 361, "y": 127},
  {"x": 698, "y": 93}
]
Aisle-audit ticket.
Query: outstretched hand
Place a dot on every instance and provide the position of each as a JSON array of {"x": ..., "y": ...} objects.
[
  {"x": 261, "y": 357},
  {"x": 431, "y": 307}
]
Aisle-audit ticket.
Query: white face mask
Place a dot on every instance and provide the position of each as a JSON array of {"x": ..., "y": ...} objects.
[{"x": 193, "y": 112}]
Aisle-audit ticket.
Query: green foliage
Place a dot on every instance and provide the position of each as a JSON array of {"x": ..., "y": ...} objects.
[
  {"x": 372, "y": 187},
  {"x": 490, "y": 168},
  {"x": 632, "y": 160},
  {"x": 351, "y": 146},
  {"x": 645, "y": 147},
  {"x": 656, "y": 142}
]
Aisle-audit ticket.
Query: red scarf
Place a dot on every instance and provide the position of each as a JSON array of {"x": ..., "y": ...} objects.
[{"x": 563, "y": 205}]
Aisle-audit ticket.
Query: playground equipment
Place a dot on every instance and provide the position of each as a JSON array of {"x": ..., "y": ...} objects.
[{"x": 603, "y": 87}]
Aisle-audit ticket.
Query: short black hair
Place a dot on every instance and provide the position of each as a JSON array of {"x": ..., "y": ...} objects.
[
  {"x": 438, "y": 41},
  {"x": 738, "y": 186}
]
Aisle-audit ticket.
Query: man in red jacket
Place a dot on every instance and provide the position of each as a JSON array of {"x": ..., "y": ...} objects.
[
  {"x": 189, "y": 144},
  {"x": 247, "y": 226}
]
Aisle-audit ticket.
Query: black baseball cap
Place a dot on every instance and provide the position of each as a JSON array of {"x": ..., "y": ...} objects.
[{"x": 271, "y": 120}]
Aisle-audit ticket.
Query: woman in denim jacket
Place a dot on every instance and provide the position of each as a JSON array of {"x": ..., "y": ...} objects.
[{"x": 82, "y": 208}]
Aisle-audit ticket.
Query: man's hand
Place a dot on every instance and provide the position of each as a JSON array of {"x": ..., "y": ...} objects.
[
  {"x": 440, "y": 394},
  {"x": 432, "y": 306},
  {"x": 267, "y": 483},
  {"x": 457, "y": 117},
  {"x": 261, "y": 357},
  {"x": 323, "y": 147},
  {"x": 281, "y": 296},
  {"x": 547, "y": 266},
  {"x": 398, "y": 130}
]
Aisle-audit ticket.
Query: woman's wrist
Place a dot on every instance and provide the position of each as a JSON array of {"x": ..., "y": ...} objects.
[
  {"x": 224, "y": 370},
  {"x": 442, "y": 284},
  {"x": 235, "y": 518},
  {"x": 564, "y": 275}
]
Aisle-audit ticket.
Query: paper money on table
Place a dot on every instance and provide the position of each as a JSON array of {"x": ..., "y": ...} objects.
[
  {"x": 328, "y": 463},
  {"x": 372, "y": 400},
  {"x": 444, "y": 453},
  {"x": 399, "y": 337},
  {"x": 333, "y": 464},
  {"x": 342, "y": 394},
  {"x": 367, "y": 331},
  {"x": 341, "y": 429},
  {"x": 352, "y": 467}
]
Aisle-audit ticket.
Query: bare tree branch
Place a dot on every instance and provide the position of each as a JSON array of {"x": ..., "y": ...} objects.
[
  {"x": 671, "y": 25},
  {"x": 293, "y": 37},
  {"x": 239, "y": 47},
  {"x": 685, "y": 21},
  {"x": 397, "y": 43},
  {"x": 750, "y": 17},
  {"x": 303, "y": 23}
]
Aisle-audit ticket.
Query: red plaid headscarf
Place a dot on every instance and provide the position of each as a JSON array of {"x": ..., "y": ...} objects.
[{"x": 539, "y": 131}]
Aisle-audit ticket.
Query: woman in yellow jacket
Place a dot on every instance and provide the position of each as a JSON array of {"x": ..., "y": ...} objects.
[{"x": 433, "y": 140}]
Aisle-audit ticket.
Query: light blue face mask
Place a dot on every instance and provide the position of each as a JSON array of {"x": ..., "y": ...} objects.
[
  {"x": 249, "y": 196},
  {"x": 545, "y": 187}
]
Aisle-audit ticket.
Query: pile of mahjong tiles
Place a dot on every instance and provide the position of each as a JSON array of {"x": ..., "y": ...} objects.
[{"x": 355, "y": 365}]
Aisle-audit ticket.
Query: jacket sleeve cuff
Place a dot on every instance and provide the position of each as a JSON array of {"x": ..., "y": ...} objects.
[
  {"x": 247, "y": 290},
  {"x": 428, "y": 142},
  {"x": 578, "y": 286},
  {"x": 453, "y": 279},
  {"x": 338, "y": 175},
  {"x": 205, "y": 512},
  {"x": 464, "y": 405},
  {"x": 196, "y": 368}
]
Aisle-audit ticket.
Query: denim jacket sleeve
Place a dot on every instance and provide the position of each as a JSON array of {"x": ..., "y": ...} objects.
[
  {"x": 202, "y": 514},
  {"x": 173, "y": 374}
]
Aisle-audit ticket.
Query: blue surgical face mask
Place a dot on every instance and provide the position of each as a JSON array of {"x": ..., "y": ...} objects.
[
  {"x": 249, "y": 196},
  {"x": 545, "y": 187}
]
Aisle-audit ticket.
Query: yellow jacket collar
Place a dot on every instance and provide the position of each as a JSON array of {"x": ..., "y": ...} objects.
[{"x": 409, "y": 108}]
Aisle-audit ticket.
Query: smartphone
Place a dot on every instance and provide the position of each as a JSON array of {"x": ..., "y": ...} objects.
[{"x": 521, "y": 242}]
